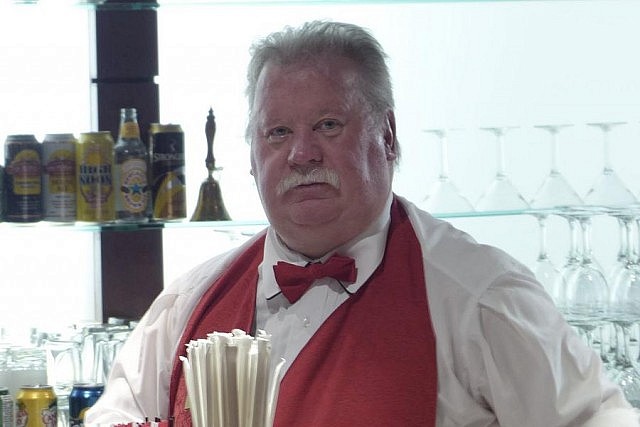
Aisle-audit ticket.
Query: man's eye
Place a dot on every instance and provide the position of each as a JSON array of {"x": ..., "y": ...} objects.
[
  {"x": 277, "y": 134},
  {"x": 327, "y": 125}
]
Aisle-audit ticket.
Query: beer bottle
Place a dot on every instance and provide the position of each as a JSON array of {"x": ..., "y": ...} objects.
[{"x": 130, "y": 175}]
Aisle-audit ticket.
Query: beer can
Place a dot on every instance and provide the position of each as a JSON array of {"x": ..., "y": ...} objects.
[
  {"x": 37, "y": 406},
  {"x": 83, "y": 396},
  {"x": 23, "y": 178},
  {"x": 3, "y": 196},
  {"x": 94, "y": 165},
  {"x": 166, "y": 152},
  {"x": 6, "y": 408},
  {"x": 59, "y": 177}
]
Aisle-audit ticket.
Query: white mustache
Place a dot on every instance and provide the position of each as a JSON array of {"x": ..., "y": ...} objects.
[{"x": 314, "y": 176}]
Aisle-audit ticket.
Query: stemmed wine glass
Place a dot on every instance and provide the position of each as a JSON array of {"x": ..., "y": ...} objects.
[
  {"x": 624, "y": 312},
  {"x": 546, "y": 272},
  {"x": 554, "y": 192},
  {"x": 587, "y": 292},
  {"x": 626, "y": 250},
  {"x": 608, "y": 191},
  {"x": 572, "y": 263},
  {"x": 501, "y": 195},
  {"x": 444, "y": 196},
  {"x": 609, "y": 194},
  {"x": 586, "y": 286}
]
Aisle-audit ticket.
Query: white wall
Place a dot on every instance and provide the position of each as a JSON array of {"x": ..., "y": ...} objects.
[
  {"x": 462, "y": 65},
  {"x": 456, "y": 64},
  {"x": 46, "y": 272}
]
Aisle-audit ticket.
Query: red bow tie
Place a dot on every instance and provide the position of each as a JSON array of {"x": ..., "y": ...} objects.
[{"x": 294, "y": 280}]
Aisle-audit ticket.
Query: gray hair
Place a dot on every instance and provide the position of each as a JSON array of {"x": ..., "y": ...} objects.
[{"x": 326, "y": 39}]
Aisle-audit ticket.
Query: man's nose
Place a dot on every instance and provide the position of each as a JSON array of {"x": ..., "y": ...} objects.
[{"x": 305, "y": 148}]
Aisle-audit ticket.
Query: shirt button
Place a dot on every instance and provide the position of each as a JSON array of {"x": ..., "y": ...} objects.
[{"x": 306, "y": 322}]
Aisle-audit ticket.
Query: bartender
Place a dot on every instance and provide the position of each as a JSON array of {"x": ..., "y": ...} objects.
[{"x": 385, "y": 316}]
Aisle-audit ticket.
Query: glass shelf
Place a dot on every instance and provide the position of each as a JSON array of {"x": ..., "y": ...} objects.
[
  {"x": 253, "y": 226},
  {"x": 142, "y": 4}
]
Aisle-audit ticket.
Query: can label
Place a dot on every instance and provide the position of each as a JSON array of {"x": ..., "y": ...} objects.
[
  {"x": 167, "y": 170},
  {"x": 23, "y": 176},
  {"x": 6, "y": 409},
  {"x": 59, "y": 177},
  {"x": 3, "y": 196},
  {"x": 36, "y": 406},
  {"x": 94, "y": 162},
  {"x": 81, "y": 398}
]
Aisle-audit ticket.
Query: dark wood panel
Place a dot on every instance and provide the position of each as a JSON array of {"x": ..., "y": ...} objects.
[
  {"x": 126, "y": 44},
  {"x": 132, "y": 273},
  {"x": 124, "y": 65}
]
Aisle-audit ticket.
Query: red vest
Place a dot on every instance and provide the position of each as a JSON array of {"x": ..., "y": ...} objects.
[{"x": 373, "y": 361}]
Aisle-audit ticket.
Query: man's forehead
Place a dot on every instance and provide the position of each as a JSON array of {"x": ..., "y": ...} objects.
[
  {"x": 277, "y": 80},
  {"x": 328, "y": 67}
]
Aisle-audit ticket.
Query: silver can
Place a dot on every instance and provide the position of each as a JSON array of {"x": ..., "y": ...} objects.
[
  {"x": 59, "y": 177},
  {"x": 6, "y": 408}
]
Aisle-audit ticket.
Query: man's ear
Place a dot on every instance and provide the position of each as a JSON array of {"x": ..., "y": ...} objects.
[{"x": 390, "y": 140}]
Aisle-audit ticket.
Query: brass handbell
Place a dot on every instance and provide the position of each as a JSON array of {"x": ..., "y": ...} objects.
[{"x": 210, "y": 206}]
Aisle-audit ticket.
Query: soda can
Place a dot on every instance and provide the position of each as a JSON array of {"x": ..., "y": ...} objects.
[
  {"x": 166, "y": 152},
  {"x": 59, "y": 177},
  {"x": 6, "y": 408},
  {"x": 94, "y": 165},
  {"x": 37, "y": 406},
  {"x": 23, "y": 178},
  {"x": 83, "y": 396}
]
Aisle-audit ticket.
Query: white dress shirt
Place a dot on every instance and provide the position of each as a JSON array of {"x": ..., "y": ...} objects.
[
  {"x": 292, "y": 325},
  {"x": 505, "y": 356}
]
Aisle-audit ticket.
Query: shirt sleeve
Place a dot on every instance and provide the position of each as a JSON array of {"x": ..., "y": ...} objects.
[
  {"x": 539, "y": 372},
  {"x": 138, "y": 384},
  {"x": 139, "y": 379}
]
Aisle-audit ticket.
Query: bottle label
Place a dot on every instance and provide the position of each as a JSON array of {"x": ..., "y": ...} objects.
[
  {"x": 134, "y": 189},
  {"x": 129, "y": 130}
]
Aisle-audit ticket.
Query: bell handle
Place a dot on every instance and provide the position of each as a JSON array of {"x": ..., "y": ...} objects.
[{"x": 210, "y": 132}]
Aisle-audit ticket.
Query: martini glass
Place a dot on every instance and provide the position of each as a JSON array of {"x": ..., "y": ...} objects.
[
  {"x": 555, "y": 191},
  {"x": 501, "y": 195},
  {"x": 444, "y": 196},
  {"x": 608, "y": 191}
]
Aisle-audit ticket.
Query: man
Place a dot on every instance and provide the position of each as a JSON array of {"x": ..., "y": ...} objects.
[{"x": 428, "y": 328}]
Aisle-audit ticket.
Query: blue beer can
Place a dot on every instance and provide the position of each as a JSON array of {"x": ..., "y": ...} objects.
[{"x": 83, "y": 396}]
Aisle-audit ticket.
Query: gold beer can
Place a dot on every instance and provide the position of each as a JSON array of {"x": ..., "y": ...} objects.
[
  {"x": 36, "y": 406},
  {"x": 94, "y": 174}
]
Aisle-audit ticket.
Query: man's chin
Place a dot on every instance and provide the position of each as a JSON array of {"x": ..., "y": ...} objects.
[{"x": 314, "y": 212}]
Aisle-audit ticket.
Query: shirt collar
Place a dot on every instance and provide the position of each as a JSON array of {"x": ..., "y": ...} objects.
[{"x": 367, "y": 249}]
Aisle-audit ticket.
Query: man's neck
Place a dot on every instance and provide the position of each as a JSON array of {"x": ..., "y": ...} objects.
[{"x": 372, "y": 228}]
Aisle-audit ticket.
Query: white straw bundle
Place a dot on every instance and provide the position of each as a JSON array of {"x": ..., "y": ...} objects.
[{"x": 229, "y": 379}]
